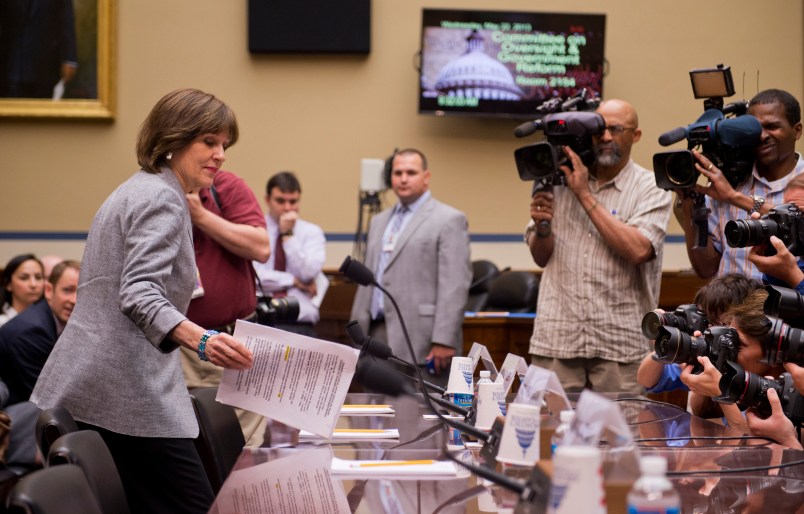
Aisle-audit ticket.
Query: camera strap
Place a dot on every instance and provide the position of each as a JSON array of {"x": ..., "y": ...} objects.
[{"x": 700, "y": 219}]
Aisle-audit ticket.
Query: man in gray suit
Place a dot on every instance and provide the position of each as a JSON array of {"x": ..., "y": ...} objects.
[{"x": 419, "y": 251}]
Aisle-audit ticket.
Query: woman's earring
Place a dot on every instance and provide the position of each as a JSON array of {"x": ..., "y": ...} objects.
[{"x": 169, "y": 155}]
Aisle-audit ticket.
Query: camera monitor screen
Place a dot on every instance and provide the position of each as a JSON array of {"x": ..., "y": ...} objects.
[{"x": 505, "y": 64}]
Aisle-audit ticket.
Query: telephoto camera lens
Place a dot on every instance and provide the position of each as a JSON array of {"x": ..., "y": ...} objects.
[
  {"x": 743, "y": 233},
  {"x": 674, "y": 346},
  {"x": 783, "y": 343},
  {"x": 744, "y": 388},
  {"x": 785, "y": 303}
]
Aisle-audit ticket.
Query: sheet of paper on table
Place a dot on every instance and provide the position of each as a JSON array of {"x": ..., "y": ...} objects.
[
  {"x": 295, "y": 483},
  {"x": 355, "y": 433},
  {"x": 394, "y": 469},
  {"x": 365, "y": 410}
]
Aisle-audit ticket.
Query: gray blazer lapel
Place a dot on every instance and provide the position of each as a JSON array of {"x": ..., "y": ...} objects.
[
  {"x": 377, "y": 231},
  {"x": 413, "y": 225}
]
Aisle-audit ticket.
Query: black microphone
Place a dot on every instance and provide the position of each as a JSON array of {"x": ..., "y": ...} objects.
[
  {"x": 375, "y": 377},
  {"x": 528, "y": 128},
  {"x": 358, "y": 272},
  {"x": 672, "y": 137},
  {"x": 375, "y": 348}
]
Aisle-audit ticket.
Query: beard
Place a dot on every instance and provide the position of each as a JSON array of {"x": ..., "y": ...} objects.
[{"x": 612, "y": 157}]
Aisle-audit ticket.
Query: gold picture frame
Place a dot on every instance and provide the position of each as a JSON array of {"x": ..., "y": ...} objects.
[{"x": 100, "y": 103}]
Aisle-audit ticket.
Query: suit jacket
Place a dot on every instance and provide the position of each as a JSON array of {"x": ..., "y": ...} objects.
[
  {"x": 112, "y": 366},
  {"x": 428, "y": 274},
  {"x": 25, "y": 344}
]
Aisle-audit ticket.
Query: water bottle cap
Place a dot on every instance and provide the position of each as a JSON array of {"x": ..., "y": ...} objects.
[
  {"x": 566, "y": 416},
  {"x": 653, "y": 465},
  {"x": 485, "y": 374}
]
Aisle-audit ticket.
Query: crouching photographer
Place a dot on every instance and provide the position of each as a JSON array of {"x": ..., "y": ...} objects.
[
  {"x": 693, "y": 343},
  {"x": 600, "y": 240},
  {"x": 711, "y": 303},
  {"x": 757, "y": 381}
]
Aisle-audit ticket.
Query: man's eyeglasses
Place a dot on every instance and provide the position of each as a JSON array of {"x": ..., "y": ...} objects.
[{"x": 616, "y": 130}]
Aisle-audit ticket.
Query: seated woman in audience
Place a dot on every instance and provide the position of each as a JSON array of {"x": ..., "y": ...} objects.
[{"x": 23, "y": 285}]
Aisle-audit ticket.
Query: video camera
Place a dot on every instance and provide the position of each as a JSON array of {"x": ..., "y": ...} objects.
[
  {"x": 728, "y": 142},
  {"x": 271, "y": 311},
  {"x": 687, "y": 318},
  {"x": 783, "y": 221},
  {"x": 673, "y": 345},
  {"x": 751, "y": 390},
  {"x": 565, "y": 123}
]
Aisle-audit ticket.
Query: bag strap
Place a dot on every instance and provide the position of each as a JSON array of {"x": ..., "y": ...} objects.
[{"x": 217, "y": 199}]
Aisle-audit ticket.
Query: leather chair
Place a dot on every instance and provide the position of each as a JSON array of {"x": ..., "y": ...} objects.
[
  {"x": 53, "y": 490},
  {"x": 220, "y": 440},
  {"x": 483, "y": 273},
  {"x": 52, "y": 424},
  {"x": 86, "y": 449},
  {"x": 513, "y": 291}
]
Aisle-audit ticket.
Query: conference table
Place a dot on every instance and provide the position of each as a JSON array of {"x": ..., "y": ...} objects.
[{"x": 714, "y": 468}]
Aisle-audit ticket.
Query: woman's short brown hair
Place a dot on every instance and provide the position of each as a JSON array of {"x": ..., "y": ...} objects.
[{"x": 176, "y": 120}]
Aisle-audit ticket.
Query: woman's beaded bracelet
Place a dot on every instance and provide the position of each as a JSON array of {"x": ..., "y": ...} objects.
[{"x": 202, "y": 346}]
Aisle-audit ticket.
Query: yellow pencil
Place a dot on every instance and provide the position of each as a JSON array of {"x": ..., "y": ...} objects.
[
  {"x": 395, "y": 463},
  {"x": 362, "y": 430},
  {"x": 357, "y": 406}
]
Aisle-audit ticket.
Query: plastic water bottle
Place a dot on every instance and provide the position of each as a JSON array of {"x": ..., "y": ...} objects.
[
  {"x": 653, "y": 493},
  {"x": 485, "y": 378},
  {"x": 565, "y": 418}
]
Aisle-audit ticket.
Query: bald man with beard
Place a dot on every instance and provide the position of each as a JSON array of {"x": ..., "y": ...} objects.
[{"x": 599, "y": 240}]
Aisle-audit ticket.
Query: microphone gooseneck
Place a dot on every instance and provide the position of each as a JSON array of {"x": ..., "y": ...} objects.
[{"x": 361, "y": 274}]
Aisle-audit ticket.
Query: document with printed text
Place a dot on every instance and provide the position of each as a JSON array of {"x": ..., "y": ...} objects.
[{"x": 297, "y": 380}]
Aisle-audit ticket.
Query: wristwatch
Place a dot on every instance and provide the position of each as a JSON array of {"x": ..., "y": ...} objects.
[{"x": 758, "y": 202}]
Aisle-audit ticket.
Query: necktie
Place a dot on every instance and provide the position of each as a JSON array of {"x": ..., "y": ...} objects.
[
  {"x": 388, "y": 244},
  {"x": 280, "y": 262}
]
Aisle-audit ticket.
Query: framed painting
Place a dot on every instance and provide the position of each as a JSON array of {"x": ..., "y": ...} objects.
[{"x": 57, "y": 58}]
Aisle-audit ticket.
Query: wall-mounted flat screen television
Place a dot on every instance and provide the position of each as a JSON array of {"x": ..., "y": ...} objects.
[{"x": 505, "y": 64}]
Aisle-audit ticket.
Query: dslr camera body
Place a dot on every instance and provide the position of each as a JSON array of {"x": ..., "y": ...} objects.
[
  {"x": 784, "y": 221},
  {"x": 674, "y": 346},
  {"x": 687, "y": 318},
  {"x": 568, "y": 123}
]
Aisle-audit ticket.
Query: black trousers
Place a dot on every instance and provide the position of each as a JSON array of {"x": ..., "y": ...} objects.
[{"x": 160, "y": 475}]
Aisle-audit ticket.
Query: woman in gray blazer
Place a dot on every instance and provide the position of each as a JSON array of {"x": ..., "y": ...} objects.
[{"x": 114, "y": 366}]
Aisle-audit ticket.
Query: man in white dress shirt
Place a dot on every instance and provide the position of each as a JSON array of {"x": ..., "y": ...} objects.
[{"x": 298, "y": 253}]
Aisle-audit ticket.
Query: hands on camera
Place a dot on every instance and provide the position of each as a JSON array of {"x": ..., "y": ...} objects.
[
  {"x": 777, "y": 426},
  {"x": 707, "y": 382},
  {"x": 578, "y": 175}
]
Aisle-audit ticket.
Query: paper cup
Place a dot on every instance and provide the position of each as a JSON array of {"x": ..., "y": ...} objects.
[
  {"x": 577, "y": 481},
  {"x": 490, "y": 398},
  {"x": 519, "y": 443},
  {"x": 460, "y": 376}
]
